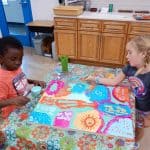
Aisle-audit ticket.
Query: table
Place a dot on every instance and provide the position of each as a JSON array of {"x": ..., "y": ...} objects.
[
  {"x": 44, "y": 26},
  {"x": 109, "y": 122},
  {"x": 40, "y": 26}
]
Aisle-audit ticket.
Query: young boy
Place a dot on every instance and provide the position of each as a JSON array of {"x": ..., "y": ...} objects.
[{"x": 13, "y": 82}]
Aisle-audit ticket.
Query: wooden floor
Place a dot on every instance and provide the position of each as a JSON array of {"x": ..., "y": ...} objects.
[{"x": 36, "y": 67}]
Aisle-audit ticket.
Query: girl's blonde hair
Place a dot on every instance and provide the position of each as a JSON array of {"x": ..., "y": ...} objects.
[{"x": 142, "y": 44}]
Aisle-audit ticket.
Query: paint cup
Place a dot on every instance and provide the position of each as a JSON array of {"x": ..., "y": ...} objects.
[
  {"x": 64, "y": 63},
  {"x": 36, "y": 91}
]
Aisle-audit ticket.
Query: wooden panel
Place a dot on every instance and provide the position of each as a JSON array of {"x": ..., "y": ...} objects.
[
  {"x": 89, "y": 25},
  {"x": 66, "y": 43},
  {"x": 139, "y": 28},
  {"x": 115, "y": 27},
  {"x": 113, "y": 48},
  {"x": 65, "y": 23},
  {"x": 88, "y": 45}
]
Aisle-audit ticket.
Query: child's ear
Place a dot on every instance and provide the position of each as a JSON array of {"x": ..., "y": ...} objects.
[{"x": 144, "y": 54}]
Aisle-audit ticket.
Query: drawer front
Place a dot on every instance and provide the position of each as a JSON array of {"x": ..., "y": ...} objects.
[
  {"x": 139, "y": 28},
  {"x": 89, "y": 25},
  {"x": 65, "y": 23},
  {"x": 114, "y": 27}
]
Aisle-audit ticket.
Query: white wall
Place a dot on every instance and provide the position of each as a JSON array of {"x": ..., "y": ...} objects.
[
  {"x": 43, "y": 9},
  {"x": 123, "y": 4}
]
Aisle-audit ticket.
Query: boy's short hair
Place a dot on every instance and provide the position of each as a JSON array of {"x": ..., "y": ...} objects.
[{"x": 9, "y": 42}]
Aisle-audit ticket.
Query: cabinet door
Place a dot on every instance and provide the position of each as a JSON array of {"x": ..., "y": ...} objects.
[
  {"x": 66, "y": 43},
  {"x": 113, "y": 48},
  {"x": 88, "y": 45}
]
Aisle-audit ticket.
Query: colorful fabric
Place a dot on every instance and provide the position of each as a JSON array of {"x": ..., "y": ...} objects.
[
  {"x": 69, "y": 118},
  {"x": 85, "y": 107}
]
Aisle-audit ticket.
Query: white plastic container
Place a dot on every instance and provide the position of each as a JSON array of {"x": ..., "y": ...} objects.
[
  {"x": 88, "y": 5},
  {"x": 54, "y": 53},
  {"x": 37, "y": 41}
]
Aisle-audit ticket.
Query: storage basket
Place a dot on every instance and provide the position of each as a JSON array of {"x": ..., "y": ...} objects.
[{"x": 68, "y": 10}]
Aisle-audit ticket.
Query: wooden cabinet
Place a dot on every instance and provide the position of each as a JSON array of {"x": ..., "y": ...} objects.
[
  {"x": 113, "y": 42},
  {"x": 114, "y": 27},
  {"x": 139, "y": 28},
  {"x": 65, "y": 34},
  {"x": 65, "y": 23},
  {"x": 89, "y": 25},
  {"x": 96, "y": 42},
  {"x": 88, "y": 40},
  {"x": 66, "y": 43},
  {"x": 88, "y": 45},
  {"x": 113, "y": 48},
  {"x": 102, "y": 41}
]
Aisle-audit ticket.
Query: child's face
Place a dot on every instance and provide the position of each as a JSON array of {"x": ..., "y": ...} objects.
[
  {"x": 12, "y": 60},
  {"x": 135, "y": 58}
]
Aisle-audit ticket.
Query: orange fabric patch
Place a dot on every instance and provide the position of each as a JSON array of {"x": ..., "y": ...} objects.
[{"x": 121, "y": 93}]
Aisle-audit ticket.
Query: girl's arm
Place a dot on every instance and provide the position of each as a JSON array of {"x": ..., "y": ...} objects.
[{"x": 106, "y": 81}]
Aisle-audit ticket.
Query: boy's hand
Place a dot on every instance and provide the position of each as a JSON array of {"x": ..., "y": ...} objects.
[
  {"x": 40, "y": 83},
  {"x": 20, "y": 100},
  {"x": 36, "y": 82}
]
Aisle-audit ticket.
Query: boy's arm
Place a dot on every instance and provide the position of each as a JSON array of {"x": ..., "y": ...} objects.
[
  {"x": 106, "y": 81},
  {"x": 5, "y": 102},
  {"x": 19, "y": 101}
]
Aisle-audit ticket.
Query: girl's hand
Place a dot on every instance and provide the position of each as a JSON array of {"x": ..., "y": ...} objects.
[
  {"x": 89, "y": 78},
  {"x": 20, "y": 100}
]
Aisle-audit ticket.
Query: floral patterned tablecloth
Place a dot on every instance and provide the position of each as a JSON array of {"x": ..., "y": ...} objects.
[{"x": 18, "y": 132}]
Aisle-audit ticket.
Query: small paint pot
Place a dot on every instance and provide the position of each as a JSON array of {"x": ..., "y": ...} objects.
[
  {"x": 93, "y": 9},
  {"x": 35, "y": 91}
]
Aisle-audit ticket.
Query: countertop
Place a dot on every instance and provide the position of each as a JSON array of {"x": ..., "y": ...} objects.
[
  {"x": 116, "y": 16},
  {"x": 107, "y": 16}
]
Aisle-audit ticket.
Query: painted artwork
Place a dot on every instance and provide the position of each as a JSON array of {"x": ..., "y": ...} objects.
[{"x": 81, "y": 106}]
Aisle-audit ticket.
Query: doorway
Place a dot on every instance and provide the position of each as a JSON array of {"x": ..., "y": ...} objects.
[{"x": 16, "y": 14}]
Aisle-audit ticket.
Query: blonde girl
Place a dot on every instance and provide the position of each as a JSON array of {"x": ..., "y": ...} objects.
[{"x": 138, "y": 73}]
